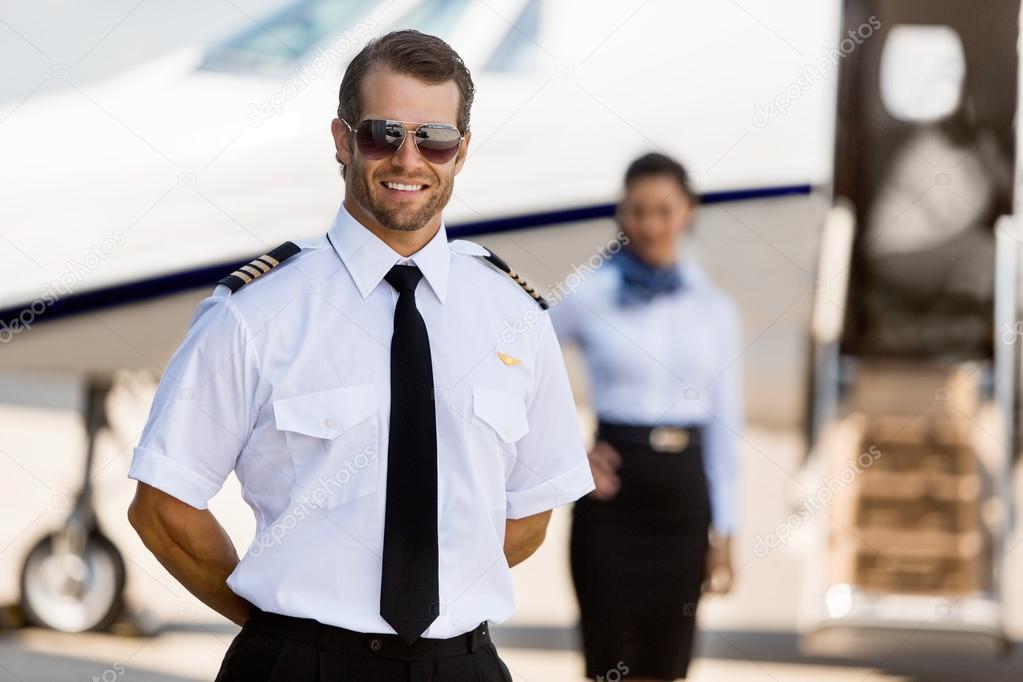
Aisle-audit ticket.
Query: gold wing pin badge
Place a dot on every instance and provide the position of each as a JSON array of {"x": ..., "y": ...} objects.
[{"x": 508, "y": 359}]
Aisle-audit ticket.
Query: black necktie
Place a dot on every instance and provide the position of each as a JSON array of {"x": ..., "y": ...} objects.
[{"x": 409, "y": 591}]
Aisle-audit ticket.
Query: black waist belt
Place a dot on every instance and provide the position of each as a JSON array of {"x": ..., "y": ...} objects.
[
  {"x": 333, "y": 638},
  {"x": 659, "y": 438}
]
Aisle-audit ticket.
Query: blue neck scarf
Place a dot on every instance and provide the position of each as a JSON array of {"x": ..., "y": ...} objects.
[{"x": 642, "y": 282}]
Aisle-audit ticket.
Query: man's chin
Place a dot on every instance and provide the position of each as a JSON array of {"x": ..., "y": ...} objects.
[
  {"x": 403, "y": 221},
  {"x": 406, "y": 216}
]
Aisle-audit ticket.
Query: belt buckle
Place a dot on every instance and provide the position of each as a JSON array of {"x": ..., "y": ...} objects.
[{"x": 668, "y": 438}]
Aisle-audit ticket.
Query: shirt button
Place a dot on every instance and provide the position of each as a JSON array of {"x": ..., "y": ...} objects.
[
  {"x": 375, "y": 644},
  {"x": 328, "y": 422}
]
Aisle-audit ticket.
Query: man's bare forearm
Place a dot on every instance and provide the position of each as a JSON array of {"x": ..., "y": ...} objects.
[
  {"x": 524, "y": 536},
  {"x": 192, "y": 546}
]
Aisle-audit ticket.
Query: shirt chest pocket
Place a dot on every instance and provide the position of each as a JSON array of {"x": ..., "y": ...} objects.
[
  {"x": 502, "y": 411},
  {"x": 498, "y": 421},
  {"x": 333, "y": 438}
]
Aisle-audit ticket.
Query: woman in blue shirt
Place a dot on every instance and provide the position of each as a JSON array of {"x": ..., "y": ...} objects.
[{"x": 661, "y": 346}]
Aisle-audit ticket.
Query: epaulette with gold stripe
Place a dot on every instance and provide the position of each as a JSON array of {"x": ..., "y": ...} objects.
[
  {"x": 258, "y": 267},
  {"x": 474, "y": 249},
  {"x": 499, "y": 262}
]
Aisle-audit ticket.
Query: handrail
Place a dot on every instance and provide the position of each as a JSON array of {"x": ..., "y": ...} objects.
[
  {"x": 827, "y": 317},
  {"x": 1006, "y": 349}
]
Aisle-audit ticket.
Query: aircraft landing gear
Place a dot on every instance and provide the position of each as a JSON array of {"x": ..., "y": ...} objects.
[{"x": 73, "y": 579}]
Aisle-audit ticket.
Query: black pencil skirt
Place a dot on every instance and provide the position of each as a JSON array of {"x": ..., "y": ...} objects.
[{"x": 639, "y": 559}]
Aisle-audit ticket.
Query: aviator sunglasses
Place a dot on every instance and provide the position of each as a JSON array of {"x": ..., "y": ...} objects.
[{"x": 379, "y": 138}]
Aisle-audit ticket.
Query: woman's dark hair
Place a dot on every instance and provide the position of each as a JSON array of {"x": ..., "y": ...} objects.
[
  {"x": 410, "y": 53},
  {"x": 658, "y": 164}
]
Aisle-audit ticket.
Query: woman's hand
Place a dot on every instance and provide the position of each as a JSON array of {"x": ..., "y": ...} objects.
[
  {"x": 720, "y": 573},
  {"x": 604, "y": 463}
]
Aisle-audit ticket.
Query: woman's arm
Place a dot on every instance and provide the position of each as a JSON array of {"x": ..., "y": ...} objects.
[{"x": 721, "y": 445}]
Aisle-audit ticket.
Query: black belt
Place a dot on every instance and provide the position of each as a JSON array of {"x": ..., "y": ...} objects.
[
  {"x": 663, "y": 438},
  {"x": 333, "y": 638}
]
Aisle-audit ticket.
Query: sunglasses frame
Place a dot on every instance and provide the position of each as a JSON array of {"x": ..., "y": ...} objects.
[{"x": 418, "y": 125}]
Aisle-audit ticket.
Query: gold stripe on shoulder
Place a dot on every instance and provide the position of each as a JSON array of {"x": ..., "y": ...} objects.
[{"x": 259, "y": 266}]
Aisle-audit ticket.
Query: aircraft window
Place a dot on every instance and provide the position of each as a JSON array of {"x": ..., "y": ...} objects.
[
  {"x": 518, "y": 49},
  {"x": 274, "y": 44},
  {"x": 922, "y": 72}
]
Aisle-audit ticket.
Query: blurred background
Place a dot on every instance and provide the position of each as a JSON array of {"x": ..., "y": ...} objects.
[{"x": 857, "y": 167}]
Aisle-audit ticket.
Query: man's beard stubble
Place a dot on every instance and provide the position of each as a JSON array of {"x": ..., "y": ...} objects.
[{"x": 394, "y": 216}]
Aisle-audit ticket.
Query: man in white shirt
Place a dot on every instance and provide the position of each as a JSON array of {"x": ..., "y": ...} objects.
[{"x": 399, "y": 449}]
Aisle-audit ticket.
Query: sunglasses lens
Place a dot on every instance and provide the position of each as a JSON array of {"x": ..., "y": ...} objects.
[
  {"x": 378, "y": 138},
  {"x": 438, "y": 143}
]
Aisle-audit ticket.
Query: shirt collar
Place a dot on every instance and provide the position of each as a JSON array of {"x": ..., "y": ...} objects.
[{"x": 368, "y": 258}]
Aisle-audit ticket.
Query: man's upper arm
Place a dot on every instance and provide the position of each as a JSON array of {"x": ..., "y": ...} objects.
[
  {"x": 152, "y": 505},
  {"x": 551, "y": 468},
  {"x": 203, "y": 410}
]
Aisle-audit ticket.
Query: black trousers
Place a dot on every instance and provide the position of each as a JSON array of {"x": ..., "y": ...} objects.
[{"x": 276, "y": 648}]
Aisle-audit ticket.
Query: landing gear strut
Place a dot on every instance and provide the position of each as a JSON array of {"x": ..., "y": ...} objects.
[{"x": 73, "y": 579}]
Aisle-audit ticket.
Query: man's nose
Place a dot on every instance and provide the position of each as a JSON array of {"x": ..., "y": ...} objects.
[{"x": 408, "y": 157}]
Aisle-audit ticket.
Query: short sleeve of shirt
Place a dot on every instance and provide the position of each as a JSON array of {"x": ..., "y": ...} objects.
[
  {"x": 204, "y": 408},
  {"x": 551, "y": 468}
]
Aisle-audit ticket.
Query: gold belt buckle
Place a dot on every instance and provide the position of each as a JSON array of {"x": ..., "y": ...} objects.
[{"x": 668, "y": 439}]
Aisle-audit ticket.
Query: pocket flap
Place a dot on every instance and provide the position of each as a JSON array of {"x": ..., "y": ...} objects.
[
  {"x": 326, "y": 414},
  {"x": 503, "y": 410}
]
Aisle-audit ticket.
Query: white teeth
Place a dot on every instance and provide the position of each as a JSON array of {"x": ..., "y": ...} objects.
[{"x": 403, "y": 188}]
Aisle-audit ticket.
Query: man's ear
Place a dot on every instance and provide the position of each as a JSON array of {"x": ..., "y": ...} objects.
[
  {"x": 342, "y": 141},
  {"x": 462, "y": 153}
]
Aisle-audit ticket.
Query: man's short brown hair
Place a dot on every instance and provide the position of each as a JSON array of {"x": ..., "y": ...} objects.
[{"x": 410, "y": 53}]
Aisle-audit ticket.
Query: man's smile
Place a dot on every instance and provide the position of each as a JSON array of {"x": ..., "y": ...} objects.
[{"x": 403, "y": 189}]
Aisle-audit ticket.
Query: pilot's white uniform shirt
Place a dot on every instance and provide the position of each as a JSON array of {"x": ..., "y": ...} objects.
[{"x": 287, "y": 383}]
